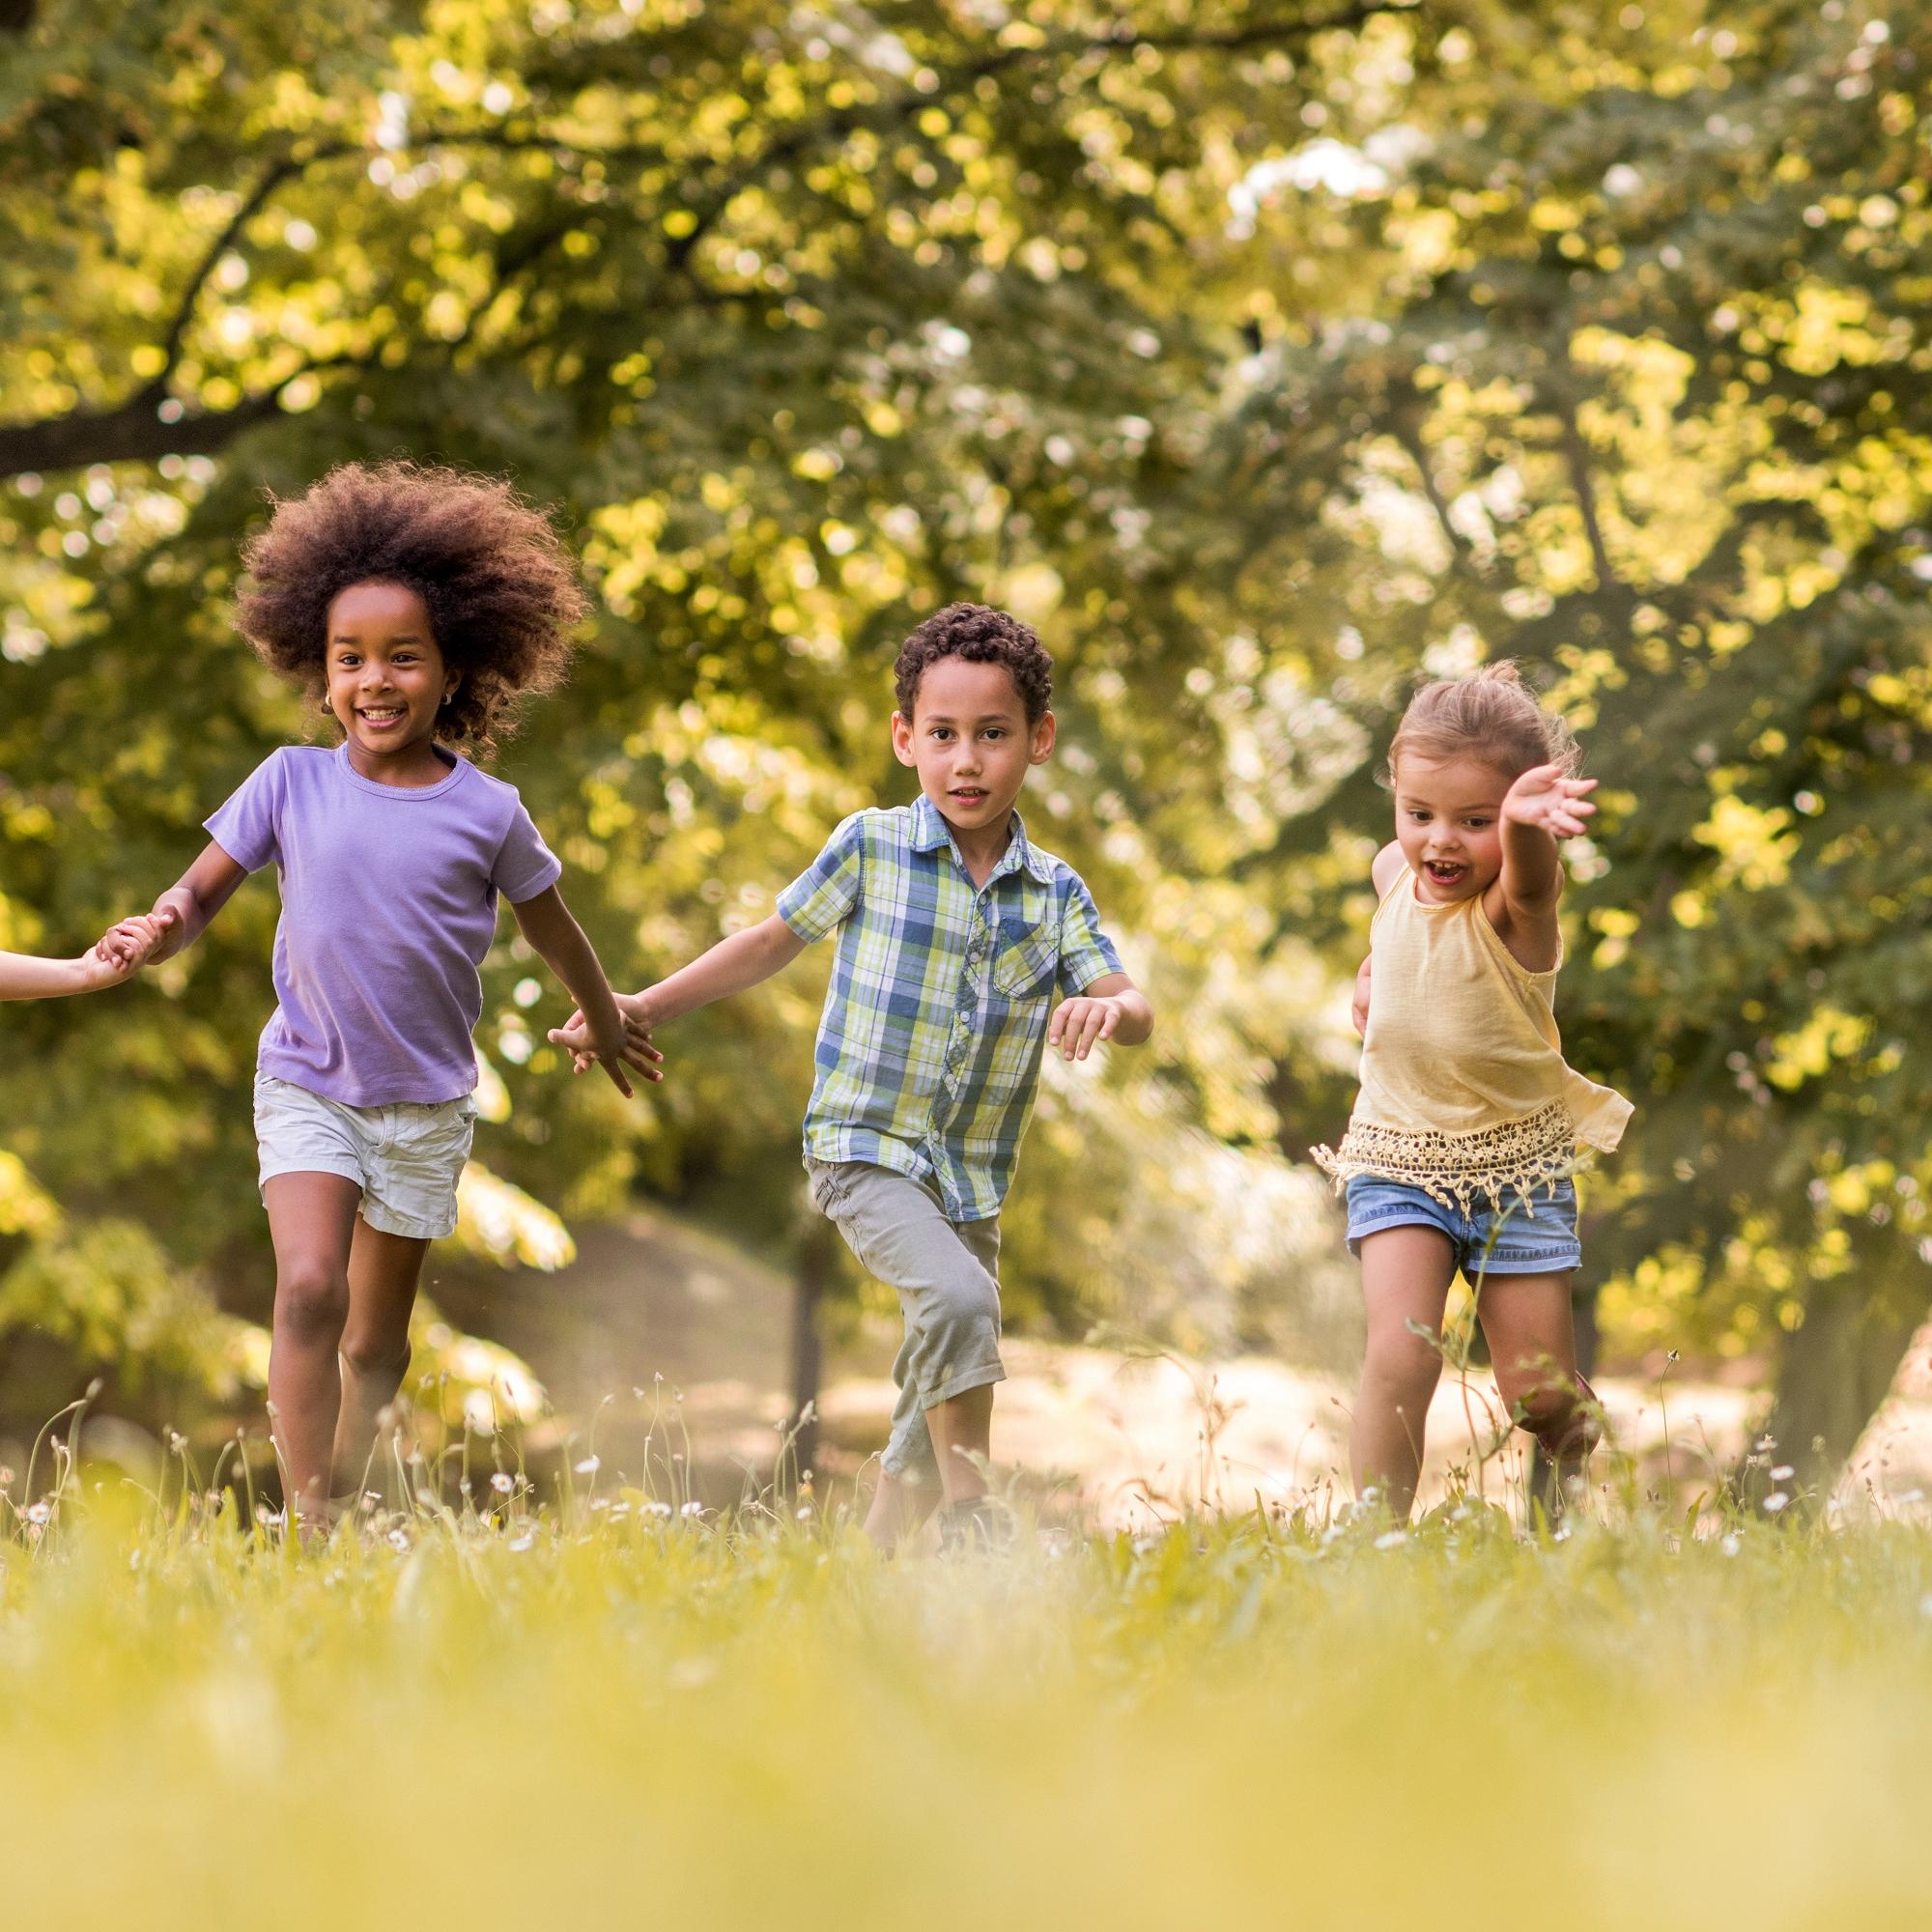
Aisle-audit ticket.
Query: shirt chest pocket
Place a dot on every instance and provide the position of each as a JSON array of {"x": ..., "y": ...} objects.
[{"x": 1028, "y": 959}]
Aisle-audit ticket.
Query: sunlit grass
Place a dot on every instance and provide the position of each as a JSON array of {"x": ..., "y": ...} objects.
[{"x": 618, "y": 1714}]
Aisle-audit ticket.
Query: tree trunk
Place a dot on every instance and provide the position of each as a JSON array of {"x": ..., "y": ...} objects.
[
  {"x": 815, "y": 1257},
  {"x": 1837, "y": 1368}
]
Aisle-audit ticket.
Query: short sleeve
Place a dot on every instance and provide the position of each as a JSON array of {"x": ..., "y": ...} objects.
[
  {"x": 1086, "y": 952},
  {"x": 247, "y": 826},
  {"x": 827, "y": 889},
  {"x": 525, "y": 864}
]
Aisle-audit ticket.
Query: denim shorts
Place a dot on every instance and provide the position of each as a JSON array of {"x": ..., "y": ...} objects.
[
  {"x": 1537, "y": 1237},
  {"x": 406, "y": 1158}
]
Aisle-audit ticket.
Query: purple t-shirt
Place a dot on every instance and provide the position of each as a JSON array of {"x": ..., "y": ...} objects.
[{"x": 389, "y": 905}]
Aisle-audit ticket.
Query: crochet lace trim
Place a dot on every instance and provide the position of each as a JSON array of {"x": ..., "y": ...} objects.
[{"x": 1513, "y": 1157}]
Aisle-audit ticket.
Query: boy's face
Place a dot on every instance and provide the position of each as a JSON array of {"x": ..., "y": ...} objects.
[
  {"x": 386, "y": 677},
  {"x": 969, "y": 742},
  {"x": 1448, "y": 820}
]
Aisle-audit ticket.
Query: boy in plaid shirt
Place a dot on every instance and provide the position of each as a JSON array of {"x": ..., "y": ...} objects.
[{"x": 955, "y": 932}]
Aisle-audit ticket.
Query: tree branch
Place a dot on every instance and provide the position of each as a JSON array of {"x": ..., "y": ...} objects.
[
  {"x": 272, "y": 179},
  {"x": 1577, "y": 456}
]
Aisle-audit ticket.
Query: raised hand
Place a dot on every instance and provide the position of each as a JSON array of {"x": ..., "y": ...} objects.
[{"x": 1545, "y": 798}]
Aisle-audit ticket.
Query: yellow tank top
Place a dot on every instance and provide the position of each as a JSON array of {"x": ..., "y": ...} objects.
[{"x": 1465, "y": 1088}]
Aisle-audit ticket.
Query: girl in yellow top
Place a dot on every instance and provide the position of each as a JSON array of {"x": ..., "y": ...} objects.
[{"x": 1468, "y": 1126}]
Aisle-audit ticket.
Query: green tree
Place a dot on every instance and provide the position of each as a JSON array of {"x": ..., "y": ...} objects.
[{"x": 808, "y": 323}]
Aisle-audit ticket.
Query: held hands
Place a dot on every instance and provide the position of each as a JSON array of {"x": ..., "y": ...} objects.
[
  {"x": 634, "y": 1049},
  {"x": 1079, "y": 1022},
  {"x": 130, "y": 944},
  {"x": 1543, "y": 797}
]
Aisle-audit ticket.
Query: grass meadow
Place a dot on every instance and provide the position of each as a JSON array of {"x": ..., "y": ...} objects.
[{"x": 613, "y": 1709}]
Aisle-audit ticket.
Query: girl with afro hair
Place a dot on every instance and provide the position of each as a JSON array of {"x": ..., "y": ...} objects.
[{"x": 414, "y": 606}]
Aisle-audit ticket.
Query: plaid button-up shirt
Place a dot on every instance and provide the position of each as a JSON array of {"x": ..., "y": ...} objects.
[{"x": 930, "y": 1042}]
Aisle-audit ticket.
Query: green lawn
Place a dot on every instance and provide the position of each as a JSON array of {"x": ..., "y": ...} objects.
[{"x": 646, "y": 1720}]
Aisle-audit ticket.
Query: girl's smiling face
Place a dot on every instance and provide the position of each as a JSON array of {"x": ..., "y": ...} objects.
[
  {"x": 386, "y": 678},
  {"x": 1448, "y": 820}
]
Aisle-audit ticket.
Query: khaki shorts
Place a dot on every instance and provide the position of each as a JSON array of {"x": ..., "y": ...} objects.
[
  {"x": 946, "y": 1274},
  {"x": 406, "y": 1158}
]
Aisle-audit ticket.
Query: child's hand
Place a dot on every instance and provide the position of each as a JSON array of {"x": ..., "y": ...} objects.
[
  {"x": 1545, "y": 798},
  {"x": 132, "y": 942},
  {"x": 608, "y": 1047},
  {"x": 93, "y": 970},
  {"x": 1077, "y": 1023},
  {"x": 637, "y": 1053}
]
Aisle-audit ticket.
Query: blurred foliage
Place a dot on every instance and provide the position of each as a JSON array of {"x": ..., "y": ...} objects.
[{"x": 1262, "y": 356}]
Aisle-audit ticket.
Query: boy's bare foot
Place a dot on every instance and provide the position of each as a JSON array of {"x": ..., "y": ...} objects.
[{"x": 979, "y": 1523}]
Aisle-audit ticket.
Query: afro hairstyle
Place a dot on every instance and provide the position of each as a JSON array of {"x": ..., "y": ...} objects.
[{"x": 501, "y": 592}]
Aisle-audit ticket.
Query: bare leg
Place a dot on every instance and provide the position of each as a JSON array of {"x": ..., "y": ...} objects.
[
  {"x": 1405, "y": 1277},
  {"x": 1532, "y": 1340},
  {"x": 962, "y": 1430},
  {"x": 383, "y": 1274},
  {"x": 898, "y": 1511},
  {"x": 312, "y": 1222}
]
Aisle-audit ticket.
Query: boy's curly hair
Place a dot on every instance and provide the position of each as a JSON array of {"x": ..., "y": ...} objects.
[
  {"x": 1492, "y": 716},
  {"x": 980, "y": 635},
  {"x": 500, "y": 589}
]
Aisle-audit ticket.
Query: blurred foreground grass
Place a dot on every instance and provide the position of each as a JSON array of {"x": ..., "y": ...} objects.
[{"x": 627, "y": 1717}]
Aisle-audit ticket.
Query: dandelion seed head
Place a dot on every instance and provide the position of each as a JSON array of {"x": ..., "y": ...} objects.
[
  {"x": 40, "y": 1512},
  {"x": 502, "y": 1483},
  {"x": 1732, "y": 1544},
  {"x": 692, "y": 1509},
  {"x": 589, "y": 1465},
  {"x": 1776, "y": 1501},
  {"x": 1782, "y": 1473},
  {"x": 802, "y": 1512},
  {"x": 1391, "y": 1539}
]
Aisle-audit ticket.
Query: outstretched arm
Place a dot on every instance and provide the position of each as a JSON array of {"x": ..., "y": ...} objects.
[
  {"x": 1542, "y": 807},
  {"x": 23, "y": 976},
  {"x": 734, "y": 965}
]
